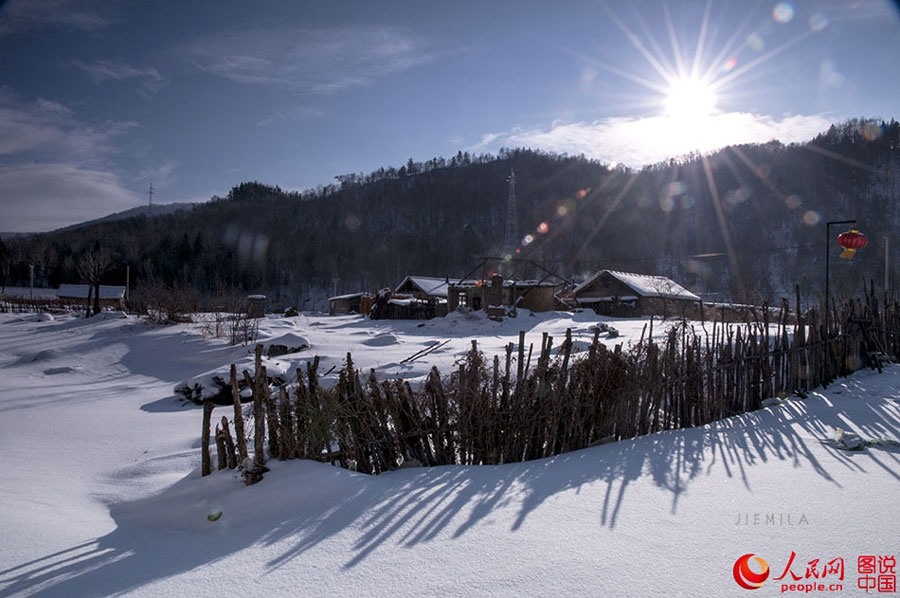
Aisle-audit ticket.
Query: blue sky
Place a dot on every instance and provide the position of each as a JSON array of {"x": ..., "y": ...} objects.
[{"x": 98, "y": 99}]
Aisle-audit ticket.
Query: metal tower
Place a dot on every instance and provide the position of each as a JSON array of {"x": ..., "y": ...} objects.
[
  {"x": 150, "y": 195},
  {"x": 511, "y": 238}
]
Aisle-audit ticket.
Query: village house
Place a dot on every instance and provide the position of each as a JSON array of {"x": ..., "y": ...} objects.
[
  {"x": 499, "y": 293},
  {"x": 420, "y": 297},
  {"x": 353, "y": 303},
  {"x": 624, "y": 294},
  {"x": 423, "y": 287},
  {"x": 110, "y": 296}
]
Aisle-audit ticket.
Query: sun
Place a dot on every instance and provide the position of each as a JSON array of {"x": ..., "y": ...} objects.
[{"x": 690, "y": 99}]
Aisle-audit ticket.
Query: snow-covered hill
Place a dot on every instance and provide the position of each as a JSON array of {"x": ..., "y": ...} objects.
[{"x": 101, "y": 493}]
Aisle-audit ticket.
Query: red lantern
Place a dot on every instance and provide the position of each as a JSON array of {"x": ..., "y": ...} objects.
[{"x": 851, "y": 241}]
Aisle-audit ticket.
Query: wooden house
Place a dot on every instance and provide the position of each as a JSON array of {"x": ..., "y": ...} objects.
[
  {"x": 499, "y": 293},
  {"x": 418, "y": 298},
  {"x": 624, "y": 294},
  {"x": 423, "y": 287},
  {"x": 110, "y": 296},
  {"x": 354, "y": 303}
]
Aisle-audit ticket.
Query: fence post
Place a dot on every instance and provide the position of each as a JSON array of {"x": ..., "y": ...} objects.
[{"x": 205, "y": 464}]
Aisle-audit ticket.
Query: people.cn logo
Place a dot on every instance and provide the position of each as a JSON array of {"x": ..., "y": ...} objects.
[{"x": 746, "y": 578}]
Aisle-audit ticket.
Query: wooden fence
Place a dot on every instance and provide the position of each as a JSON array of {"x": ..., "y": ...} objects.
[
  {"x": 21, "y": 305},
  {"x": 512, "y": 408}
]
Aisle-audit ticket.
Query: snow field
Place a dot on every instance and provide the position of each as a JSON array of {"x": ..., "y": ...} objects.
[{"x": 101, "y": 493}]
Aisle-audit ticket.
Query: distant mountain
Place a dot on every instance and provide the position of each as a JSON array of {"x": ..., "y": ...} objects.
[
  {"x": 745, "y": 223},
  {"x": 156, "y": 210}
]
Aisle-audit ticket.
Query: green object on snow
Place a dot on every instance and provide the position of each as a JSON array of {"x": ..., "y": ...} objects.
[{"x": 214, "y": 516}]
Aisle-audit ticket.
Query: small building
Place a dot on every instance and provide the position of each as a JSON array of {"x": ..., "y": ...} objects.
[
  {"x": 423, "y": 287},
  {"x": 354, "y": 303},
  {"x": 388, "y": 306},
  {"x": 256, "y": 306},
  {"x": 110, "y": 296},
  {"x": 415, "y": 298},
  {"x": 624, "y": 294},
  {"x": 483, "y": 294}
]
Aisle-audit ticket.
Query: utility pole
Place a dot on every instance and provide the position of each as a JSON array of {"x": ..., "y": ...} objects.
[
  {"x": 150, "y": 195},
  {"x": 887, "y": 279},
  {"x": 31, "y": 277},
  {"x": 511, "y": 238}
]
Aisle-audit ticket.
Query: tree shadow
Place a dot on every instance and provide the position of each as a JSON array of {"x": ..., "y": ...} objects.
[{"x": 411, "y": 507}]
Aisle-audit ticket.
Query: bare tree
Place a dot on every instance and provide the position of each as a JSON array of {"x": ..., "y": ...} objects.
[{"x": 91, "y": 268}]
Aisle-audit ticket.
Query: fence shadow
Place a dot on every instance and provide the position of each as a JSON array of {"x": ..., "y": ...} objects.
[{"x": 411, "y": 507}]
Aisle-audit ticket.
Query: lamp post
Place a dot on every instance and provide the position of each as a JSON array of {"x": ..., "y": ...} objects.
[{"x": 827, "y": 263}]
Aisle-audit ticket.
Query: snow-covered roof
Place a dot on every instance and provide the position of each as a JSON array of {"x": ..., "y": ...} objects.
[
  {"x": 471, "y": 282},
  {"x": 80, "y": 291},
  {"x": 644, "y": 285},
  {"x": 436, "y": 287},
  {"x": 349, "y": 296}
]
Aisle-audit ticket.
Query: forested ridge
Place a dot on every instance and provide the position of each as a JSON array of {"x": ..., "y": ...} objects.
[{"x": 745, "y": 224}]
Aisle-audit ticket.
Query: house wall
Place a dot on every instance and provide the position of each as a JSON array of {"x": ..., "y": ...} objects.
[
  {"x": 495, "y": 294},
  {"x": 117, "y": 303},
  {"x": 648, "y": 306},
  {"x": 454, "y": 296},
  {"x": 667, "y": 307},
  {"x": 537, "y": 298},
  {"x": 616, "y": 309},
  {"x": 360, "y": 304},
  {"x": 408, "y": 288},
  {"x": 339, "y": 306}
]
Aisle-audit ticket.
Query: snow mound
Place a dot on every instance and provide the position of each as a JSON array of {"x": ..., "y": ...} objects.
[
  {"x": 285, "y": 344},
  {"x": 382, "y": 340},
  {"x": 110, "y": 315},
  {"x": 215, "y": 385},
  {"x": 40, "y": 356},
  {"x": 41, "y": 317},
  {"x": 578, "y": 346}
]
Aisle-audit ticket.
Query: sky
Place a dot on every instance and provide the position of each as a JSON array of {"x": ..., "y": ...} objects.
[{"x": 99, "y": 99}]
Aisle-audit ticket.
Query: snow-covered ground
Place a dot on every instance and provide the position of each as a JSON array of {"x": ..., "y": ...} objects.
[{"x": 101, "y": 493}]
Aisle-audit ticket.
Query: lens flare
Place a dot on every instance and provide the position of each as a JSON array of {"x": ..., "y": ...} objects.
[
  {"x": 565, "y": 207},
  {"x": 737, "y": 196},
  {"x": 755, "y": 41},
  {"x": 543, "y": 227},
  {"x": 783, "y": 12},
  {"x": 871, "y": 131},
  {"x": 818, "y": 22},
  {"x": 676, "y": 188},
  {"x": 811, "y": 218}
]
